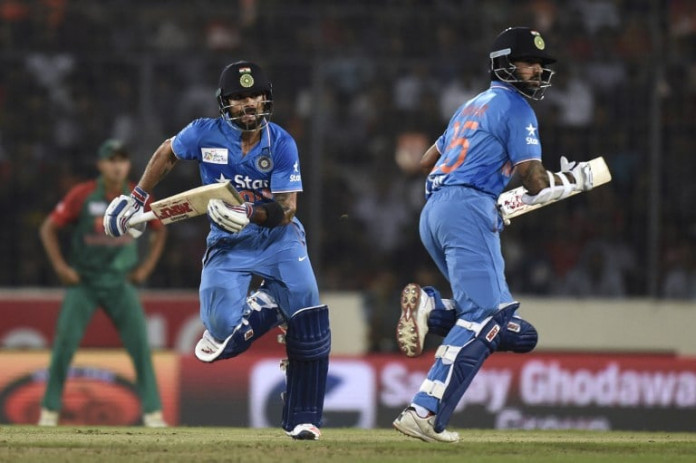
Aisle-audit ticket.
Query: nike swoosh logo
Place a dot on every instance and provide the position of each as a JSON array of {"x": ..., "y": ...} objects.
[{"x": 301, "y": 258}]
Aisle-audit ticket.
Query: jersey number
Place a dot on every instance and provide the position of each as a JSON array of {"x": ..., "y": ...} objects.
[{"x": 459, "y": 140}]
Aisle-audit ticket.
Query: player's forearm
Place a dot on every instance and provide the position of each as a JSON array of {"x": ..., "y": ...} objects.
[
  {"x": 279, "y": 212},
  {"x": 160, "y": 164},
  {"x": 533, "y": 175},
  {"x": 430, "y": 157}
]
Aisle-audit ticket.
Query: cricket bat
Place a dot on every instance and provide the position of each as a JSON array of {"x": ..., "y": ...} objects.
[
  {"x": 510, "y": 202},
  {"x": 189, "y": 203}
]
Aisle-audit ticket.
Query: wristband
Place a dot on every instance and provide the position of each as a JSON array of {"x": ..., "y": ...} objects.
[{"x": 274, "y": 214}]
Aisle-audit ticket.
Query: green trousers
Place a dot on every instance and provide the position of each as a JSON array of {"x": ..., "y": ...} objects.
[{"x": 122, "y": 305}]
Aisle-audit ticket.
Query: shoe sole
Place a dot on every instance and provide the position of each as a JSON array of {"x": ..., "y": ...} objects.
[
  {"x": 306, "y": 435},
  {"x": 407, "y": 335}
]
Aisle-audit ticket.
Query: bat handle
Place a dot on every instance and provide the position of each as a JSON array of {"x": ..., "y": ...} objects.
[{"x": 146, "y": 217}]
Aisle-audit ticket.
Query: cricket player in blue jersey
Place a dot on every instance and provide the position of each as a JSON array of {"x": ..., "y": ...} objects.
[
  {"x": 488, "y": 138},
  {"x": 260, "y": 237}
]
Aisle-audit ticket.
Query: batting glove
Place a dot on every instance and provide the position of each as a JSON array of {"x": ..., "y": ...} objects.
[
  {"x": 230, "y": 218},
  {"x": 581, "y": 171},
  {"x": 121, "y": 210}
]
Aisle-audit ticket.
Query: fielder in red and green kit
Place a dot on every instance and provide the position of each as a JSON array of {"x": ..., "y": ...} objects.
[{"x": 101, "y": 272}]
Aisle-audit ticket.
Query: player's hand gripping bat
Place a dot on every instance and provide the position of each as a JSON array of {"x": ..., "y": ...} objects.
[{"x": 510, "y": 203}]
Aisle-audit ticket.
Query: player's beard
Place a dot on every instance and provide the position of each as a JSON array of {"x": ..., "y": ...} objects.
[{"x": 248, "y": 119}]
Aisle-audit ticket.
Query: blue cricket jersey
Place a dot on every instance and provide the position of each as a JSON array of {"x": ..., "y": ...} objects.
[
  {"x": 272, "y": 166},
  {"x": 485, "y": 139}
]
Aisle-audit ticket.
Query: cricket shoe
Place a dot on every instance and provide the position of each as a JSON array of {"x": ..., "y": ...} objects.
[
  {"x": 154, "y": 420},
  {"x": 208, "y": 348},
  {"x": 409, "y": 423},
  {"x": 48, "y": 418},
  {"x": 412, "y": 327},
  {"x": 305, "y": 431}
]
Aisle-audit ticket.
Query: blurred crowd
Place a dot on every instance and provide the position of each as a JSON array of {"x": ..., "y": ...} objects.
[{"x": 365, "y": 88}]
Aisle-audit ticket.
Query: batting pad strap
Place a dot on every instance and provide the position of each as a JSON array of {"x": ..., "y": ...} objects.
[
  {"x": 473, "y": 326},
  {"x": 447, "y": 354},
  {"x": 433, "y": 388}
]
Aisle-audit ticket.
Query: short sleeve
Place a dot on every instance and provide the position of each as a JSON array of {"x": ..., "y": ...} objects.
[
  {"x": 186, "y": 144},
  {"x": 286, "y": 176}
]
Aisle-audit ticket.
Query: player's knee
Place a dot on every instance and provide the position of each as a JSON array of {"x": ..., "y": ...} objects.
[
  {"x": 260, "y": 315},
  {"x": 440, "y": 322},
  {"x": 491, "y": 333},
  {"x": 519, "y": 336}
]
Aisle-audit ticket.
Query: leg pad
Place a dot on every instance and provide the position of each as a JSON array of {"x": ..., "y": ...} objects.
[
  {"x": 308, "y": 344},
  {"x": 519, "y": 336},
  {"x": 468, "y": 362}
]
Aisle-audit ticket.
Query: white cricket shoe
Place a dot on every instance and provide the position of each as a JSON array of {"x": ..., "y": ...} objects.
[
  {"x": 412, "y": 327},
  {"x": 208, "y": 348},
  {"x": 48, "y": 418},
  {"x": 306, "y": 431},
  {"x": 154, "y": 420},
  {"x": 409, "y": 423}
]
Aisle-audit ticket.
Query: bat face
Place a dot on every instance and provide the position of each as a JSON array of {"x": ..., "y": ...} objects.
[
  {"x": 190, "y": 203},
  {"x": 175, "y": 211}
]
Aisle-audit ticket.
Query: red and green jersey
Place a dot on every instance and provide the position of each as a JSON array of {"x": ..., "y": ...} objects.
[{"x": 98, "y": 258}]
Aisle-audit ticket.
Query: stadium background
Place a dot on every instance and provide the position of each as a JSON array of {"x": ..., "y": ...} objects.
[{"x": 364, "y": 88}]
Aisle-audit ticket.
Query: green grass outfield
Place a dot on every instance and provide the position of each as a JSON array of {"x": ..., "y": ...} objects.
[{"x": 203, "y": 445}]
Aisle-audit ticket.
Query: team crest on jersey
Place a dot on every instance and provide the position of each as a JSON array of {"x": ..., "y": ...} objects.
[
  {"x": 264, "y": 163},
  {"x": 214, "y": 155}
]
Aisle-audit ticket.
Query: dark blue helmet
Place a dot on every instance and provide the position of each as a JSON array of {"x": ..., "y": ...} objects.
[
  {"x": 241, "y": 79},
  {"x": 521, "y": 44}
]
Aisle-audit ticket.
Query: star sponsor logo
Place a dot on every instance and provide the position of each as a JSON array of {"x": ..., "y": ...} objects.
[
  {"x": 296, "y": 177},
  {"x": 244, "y": 182},
  {"x": 531, "y": 135},
  {"x": 215, "y": 155}
]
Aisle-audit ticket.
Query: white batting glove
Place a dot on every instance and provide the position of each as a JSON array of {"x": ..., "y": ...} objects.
[
  {"x": 121, "y": 210},
  {"x": 581, "y": 171},
  {"x": 230, "y": 218}
]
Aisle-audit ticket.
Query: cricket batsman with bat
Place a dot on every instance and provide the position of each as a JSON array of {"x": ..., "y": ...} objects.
[
  {"x": 488, "y": 138},
  {"x": 100, "y": 273},
  {"x": 259, "y": 237}
]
